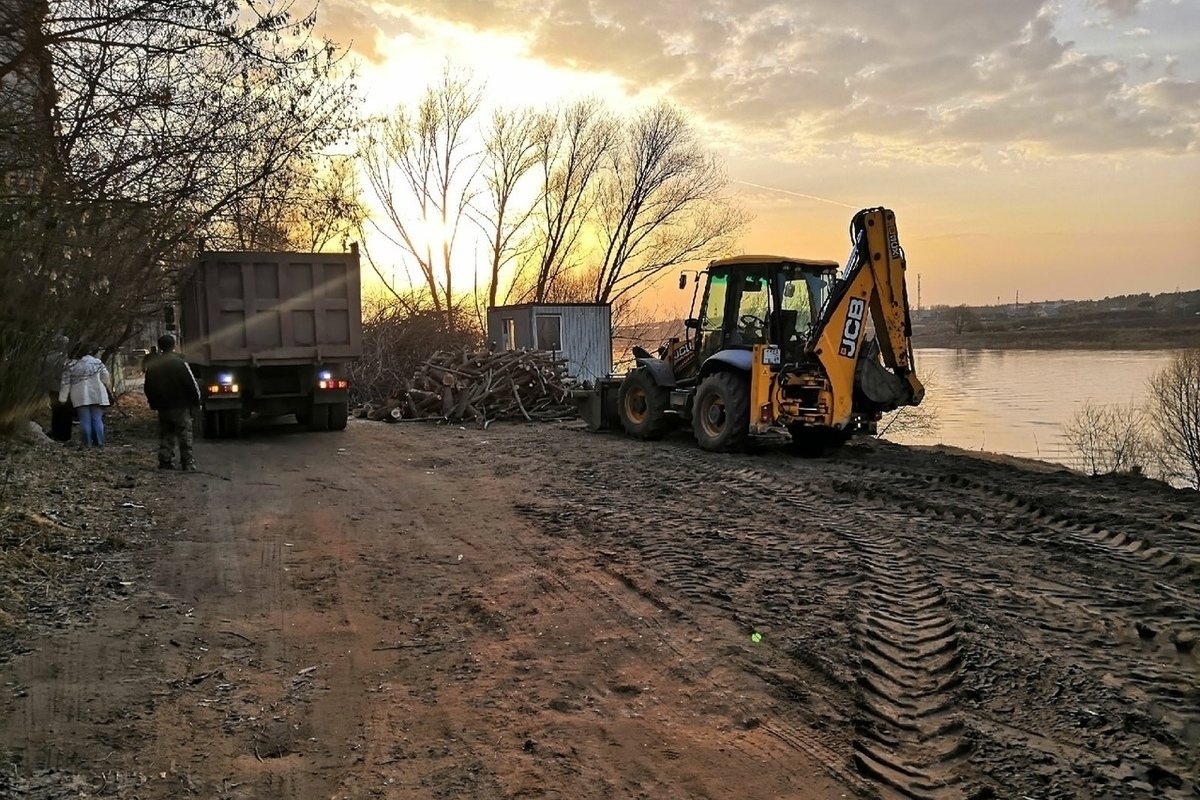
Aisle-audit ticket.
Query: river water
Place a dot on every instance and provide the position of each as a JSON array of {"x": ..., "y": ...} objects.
[{"x": 1017, "y": 401}]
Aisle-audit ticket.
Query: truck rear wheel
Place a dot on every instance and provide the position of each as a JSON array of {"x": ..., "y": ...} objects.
[
  {"x": 339, "y": 415},
  {"x": 721, "y": 415},
  {"x": 642, "y": 405},
  {"x": 212, "y": 424},
  {"x": 318, "y": 417},
  {"x": 231, "y": 425}
]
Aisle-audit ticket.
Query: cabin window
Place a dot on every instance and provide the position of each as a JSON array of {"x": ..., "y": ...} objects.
[{"x": 510, "y": 334}]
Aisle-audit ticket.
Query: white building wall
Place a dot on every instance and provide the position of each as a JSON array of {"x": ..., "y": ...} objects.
[{"x": 585, "y": 334}]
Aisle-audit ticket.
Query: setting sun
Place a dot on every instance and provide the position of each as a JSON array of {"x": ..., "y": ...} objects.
[{"x": 1000, "y": 189}]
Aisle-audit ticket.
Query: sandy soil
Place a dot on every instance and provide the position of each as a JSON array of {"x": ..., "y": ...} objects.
[{"x": 406, "y": 611}]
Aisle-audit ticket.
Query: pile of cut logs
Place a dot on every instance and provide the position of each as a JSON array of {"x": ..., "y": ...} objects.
[{"x": 480, "y": 387}]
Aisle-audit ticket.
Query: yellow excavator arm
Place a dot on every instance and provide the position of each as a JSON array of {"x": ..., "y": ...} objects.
[{"x": 872, "y": 286}]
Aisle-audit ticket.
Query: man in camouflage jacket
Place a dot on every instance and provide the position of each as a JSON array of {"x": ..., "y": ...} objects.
[{"x": 172, "y": 391}]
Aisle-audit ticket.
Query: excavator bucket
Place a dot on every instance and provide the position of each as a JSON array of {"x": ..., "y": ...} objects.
[{"x": 598, "y": 405}]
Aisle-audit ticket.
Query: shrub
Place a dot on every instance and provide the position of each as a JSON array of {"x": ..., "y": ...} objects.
[
  {"x": 1174, "y": 415},
  {"x": 399, "y": 335},
  {"x": 1108, "y": 438}
]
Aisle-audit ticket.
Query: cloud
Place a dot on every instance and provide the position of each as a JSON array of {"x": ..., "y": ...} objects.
[
  {"x": 1116, "y": 8},
  {"x": 946, "y": 77},
  {"x": 352, "y": 24}
]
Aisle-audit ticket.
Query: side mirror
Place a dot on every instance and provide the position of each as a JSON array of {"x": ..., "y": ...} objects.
[
  {"x": 692, "y": 322},
  {"x": 682, "y": 280}
]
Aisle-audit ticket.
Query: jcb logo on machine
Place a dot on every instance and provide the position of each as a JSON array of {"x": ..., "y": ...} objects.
[
  {"x": 853, "y": 327},
  {"x": 893, "y": 239}
]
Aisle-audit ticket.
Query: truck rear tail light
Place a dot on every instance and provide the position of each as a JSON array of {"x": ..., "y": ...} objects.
[
  {"x": 764, "y": 414},
  {"x": 223, "y": 388},
  {"x": 333, "y": 384}
]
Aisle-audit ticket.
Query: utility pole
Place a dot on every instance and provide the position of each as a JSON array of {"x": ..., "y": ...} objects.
[{"x": 918, "y": 292}]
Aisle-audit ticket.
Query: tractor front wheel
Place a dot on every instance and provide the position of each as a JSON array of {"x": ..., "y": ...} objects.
[
  {"x": 721, "y": 414},
  {"x": 643, "y": 406}
]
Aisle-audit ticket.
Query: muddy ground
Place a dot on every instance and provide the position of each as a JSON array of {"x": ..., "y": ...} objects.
[{"x": 409, "y": 611}]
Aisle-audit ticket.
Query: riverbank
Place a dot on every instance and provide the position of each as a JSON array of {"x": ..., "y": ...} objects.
[{"x": 1099, "y": 335}]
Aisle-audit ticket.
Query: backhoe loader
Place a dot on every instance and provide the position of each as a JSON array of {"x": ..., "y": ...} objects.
[{"x": 778, "y": 344}]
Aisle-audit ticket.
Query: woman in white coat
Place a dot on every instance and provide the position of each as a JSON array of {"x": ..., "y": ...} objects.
[{"x": 85, "y": 382}]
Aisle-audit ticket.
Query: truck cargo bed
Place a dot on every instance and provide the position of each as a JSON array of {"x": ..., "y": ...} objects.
[{"x": 271, "y": 308}]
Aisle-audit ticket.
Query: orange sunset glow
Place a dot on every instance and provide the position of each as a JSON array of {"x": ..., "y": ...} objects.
[{"x": 1046, "y": 149}]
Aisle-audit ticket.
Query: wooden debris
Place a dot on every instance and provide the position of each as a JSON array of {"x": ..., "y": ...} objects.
[{"x": 479, "y": 386}]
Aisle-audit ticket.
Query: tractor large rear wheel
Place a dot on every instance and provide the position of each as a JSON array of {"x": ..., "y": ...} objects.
[
  {"x": 721, "y": 414},
  {"x": 643, "y": 406}
]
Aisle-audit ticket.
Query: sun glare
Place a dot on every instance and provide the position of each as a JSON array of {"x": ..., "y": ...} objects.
[
  {"x": 414, "y": 62},
  {"x": 511, "y": 78}
]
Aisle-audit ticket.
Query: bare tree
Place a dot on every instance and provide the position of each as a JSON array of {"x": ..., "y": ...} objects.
[
  {"x": 136, "y": 123},
  {"x": 309, "y": 206},
  {"x": 422, "y": 168},
  {"x": 962, "y": 318},
  {"x": 572, "y": 146},
  {"x": 1175, "y": 414},
  {"x": 510, "y": 154},
  {"x": 660, "y": 204},
  {"x": 1107, "y": 438}
]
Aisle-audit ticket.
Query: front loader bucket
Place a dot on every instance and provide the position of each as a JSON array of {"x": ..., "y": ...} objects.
[{"x": 598, "y": 405}]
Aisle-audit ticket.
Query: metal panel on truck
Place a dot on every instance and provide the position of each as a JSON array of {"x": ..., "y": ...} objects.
[{"x": 249, "y": 307}]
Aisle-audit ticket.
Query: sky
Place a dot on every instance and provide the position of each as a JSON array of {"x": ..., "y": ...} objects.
[{"x": 1032, "y": 150}]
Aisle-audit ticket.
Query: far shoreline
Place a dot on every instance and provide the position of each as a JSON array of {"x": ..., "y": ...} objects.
[{"x": 1105, "y": 339}]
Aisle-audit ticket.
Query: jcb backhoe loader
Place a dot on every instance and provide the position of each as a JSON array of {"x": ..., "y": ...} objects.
[{"x": 778, "y": 343}]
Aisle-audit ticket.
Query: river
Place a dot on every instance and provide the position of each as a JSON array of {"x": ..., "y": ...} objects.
[{"x": 1016, "y": 401}]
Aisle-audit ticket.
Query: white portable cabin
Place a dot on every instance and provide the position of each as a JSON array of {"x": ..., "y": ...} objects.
[{"x": 581, "y": 333}]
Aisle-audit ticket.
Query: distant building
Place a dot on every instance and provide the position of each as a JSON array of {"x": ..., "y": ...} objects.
[{"x": 580, "y": 333}]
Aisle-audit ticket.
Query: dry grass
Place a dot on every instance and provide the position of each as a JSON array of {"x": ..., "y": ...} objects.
[{"x": 67, "y": 516}]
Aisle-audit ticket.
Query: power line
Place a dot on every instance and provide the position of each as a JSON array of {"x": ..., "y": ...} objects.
[{"x": 793, "y": 194}]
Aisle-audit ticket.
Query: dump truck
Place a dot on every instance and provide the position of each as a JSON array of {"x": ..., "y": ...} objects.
[
  {"x": 778, "y": 344},
  {"x": 271, "y": 334}
]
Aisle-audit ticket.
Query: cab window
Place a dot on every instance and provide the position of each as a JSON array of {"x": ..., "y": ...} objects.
[
  {"x": 752, "y": 310},
  {"x": 713, "y": 317}
]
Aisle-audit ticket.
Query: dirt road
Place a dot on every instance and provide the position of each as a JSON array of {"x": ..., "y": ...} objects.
[{"x": 534, "y": 611}]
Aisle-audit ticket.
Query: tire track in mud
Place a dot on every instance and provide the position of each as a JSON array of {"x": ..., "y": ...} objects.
[
  {"x": 630, "y": 592},
  {"x": 1165, "y": 553},
  {"x": 1063, "y": 621},
  {"x": 901, "y": 680},
  {"x": 1152, "y": 625},
  {"x": 908, "y": 734}
]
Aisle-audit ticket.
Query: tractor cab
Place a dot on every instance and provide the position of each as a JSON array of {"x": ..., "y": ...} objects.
[{"x": 753, "y": 300}]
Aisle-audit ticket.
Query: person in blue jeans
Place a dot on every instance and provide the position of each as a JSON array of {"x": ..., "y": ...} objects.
[{"x": 85, "y": 383}]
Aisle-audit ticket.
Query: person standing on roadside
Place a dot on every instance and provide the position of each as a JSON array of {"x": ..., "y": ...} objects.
[
  {"x": 172, "y": 391},
  {"x": 146, "y": 359},
  {"x": 85, "y": 382},
  {"x": 61, "y": 414}
]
